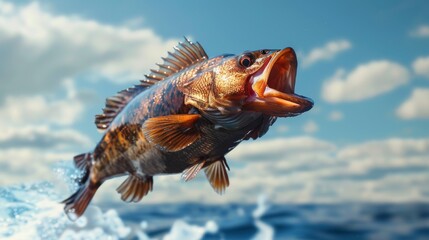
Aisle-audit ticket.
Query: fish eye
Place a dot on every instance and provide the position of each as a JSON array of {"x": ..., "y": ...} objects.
[{"x": 246, "y": 60}]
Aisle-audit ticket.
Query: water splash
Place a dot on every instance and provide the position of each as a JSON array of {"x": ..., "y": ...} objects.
[
  {"x": 30, "y": 210},
  {"x": 33, "y": 211}
]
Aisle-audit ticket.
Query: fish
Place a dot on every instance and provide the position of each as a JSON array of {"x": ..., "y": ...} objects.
[{"x": 184, "y": 117}]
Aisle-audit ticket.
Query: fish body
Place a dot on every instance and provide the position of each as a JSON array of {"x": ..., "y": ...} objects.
[{"x": 185, "y": 117}]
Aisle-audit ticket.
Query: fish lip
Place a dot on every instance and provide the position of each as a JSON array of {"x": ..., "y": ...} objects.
[{"x": 274, "y": 87}]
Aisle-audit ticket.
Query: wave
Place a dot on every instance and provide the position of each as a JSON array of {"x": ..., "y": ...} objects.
[{"x": 33, "y": 211}]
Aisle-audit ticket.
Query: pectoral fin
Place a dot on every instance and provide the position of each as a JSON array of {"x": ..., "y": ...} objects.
[
  {"x": 217, "y": 175},
  {"x": 173, "y": 132}
]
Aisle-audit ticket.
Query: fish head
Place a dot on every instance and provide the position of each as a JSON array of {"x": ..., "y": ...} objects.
[
  {"x": 261, "y": 81},
  {"x": 271, "y": 89},
  {"x": 230, "y": 87}
]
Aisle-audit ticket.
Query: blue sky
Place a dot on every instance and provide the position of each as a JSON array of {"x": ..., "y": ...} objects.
[{"x": 365, "y": 64}]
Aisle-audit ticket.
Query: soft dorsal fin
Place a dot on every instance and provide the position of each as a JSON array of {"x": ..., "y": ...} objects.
[
  {"x": 185, "y": 55},
  {"x": 115, "y": 104}
]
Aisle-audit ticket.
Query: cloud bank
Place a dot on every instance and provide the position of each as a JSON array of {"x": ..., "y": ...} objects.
[
  {"x": 37, "y": 131},
  {"x": 43, "y": 55},
  {"x": 40, "y": 49},
  {"x": 365, "y": 81}
]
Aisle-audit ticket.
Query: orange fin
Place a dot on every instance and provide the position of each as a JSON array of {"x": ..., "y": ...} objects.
[
  {"x": 134, "y": 188},
  {"x": 77, "y": 203},
  {"x": 173, "y": 132},
  {"x": 217, "y": 175},
  {"x": 191, "y": 172}
]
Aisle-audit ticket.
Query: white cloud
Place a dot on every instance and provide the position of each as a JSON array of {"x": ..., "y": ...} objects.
[
  {"x": 39, "y": 48},
  {"x": 421, "y": 66},
  {"x": 388, "y": 170},
  {"x": 42, "y": 109},
  {"x": 421, "y": 31},
  {"x": 328, "y": 51},
  {"x": 27, "y": 154},
  {"x": 389, "y": 148},
  {"x": 365, "y": 81},
  {"x": 36, "y": 132},
  {"x": 26, "y": 164},
  {"x": 310, "y": 127},
  {"x": 336, "y": 116},
  {"x": 41, "y": 137},
  {"x": 416, "y": 106},
  {"x": 273, "y": 149}
]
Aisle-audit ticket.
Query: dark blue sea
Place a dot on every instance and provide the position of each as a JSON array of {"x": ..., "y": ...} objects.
[
  {"x": 309, "y": 221},
  {"x": 32, "y": 212}
]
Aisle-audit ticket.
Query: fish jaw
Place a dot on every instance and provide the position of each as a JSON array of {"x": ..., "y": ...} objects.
[{"x": 272, "y": 88}]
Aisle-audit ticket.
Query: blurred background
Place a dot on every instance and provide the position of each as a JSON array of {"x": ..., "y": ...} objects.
[{"x": 356, "y": 165}]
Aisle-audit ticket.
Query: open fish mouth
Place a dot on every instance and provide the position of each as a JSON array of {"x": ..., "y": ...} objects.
[{"x": 272, "y": 88}]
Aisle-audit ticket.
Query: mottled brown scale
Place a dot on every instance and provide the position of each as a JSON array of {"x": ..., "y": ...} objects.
[{"x": 184, "y": 117}]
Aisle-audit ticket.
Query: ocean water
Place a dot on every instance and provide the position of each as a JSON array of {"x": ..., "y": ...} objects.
[{"x": 32, "y": 211}]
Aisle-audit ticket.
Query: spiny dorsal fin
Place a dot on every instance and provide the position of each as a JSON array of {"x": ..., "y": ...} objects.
[{"x": 185, "y": 55}]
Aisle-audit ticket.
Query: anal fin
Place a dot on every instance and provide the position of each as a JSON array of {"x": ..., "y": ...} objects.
[
  {"x": 173, "y": 132},
  {"x": 217, "y": 175},
  {"x": 134, "y": 188},
  {"x": 191, "y": 172}
]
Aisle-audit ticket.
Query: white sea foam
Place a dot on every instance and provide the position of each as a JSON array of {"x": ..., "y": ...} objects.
[
  {"x": 41, "y": 217},
  {"x": 33, "y": 211}
]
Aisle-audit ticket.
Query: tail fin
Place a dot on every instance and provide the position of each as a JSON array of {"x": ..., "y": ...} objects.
[{"x": 77, "y": 203}]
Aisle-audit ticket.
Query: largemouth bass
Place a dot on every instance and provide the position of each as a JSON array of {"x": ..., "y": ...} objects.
[{"x": 184, "y": 117}]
